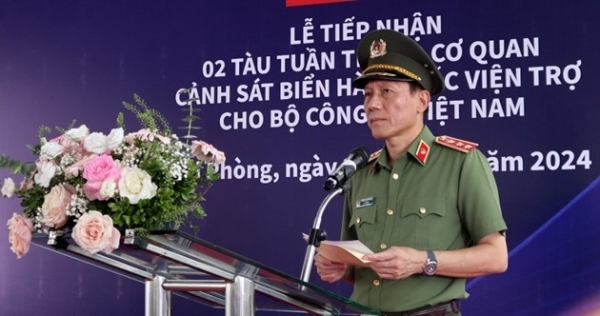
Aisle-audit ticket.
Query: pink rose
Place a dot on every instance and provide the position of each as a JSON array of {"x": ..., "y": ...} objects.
[
  {"x": 74, "y": 169},
  {"x": 101, "y": 168},
  {"x": 207, "y": 153},
  {"x": 54, "y": 209},
  {"x": 19, "y": 234},
  {"x": 95, "y": 232},
  {"x": 100, "y": 173}
]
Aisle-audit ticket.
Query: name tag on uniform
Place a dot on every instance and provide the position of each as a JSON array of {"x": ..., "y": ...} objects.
[{"x": 370, "y": 201}]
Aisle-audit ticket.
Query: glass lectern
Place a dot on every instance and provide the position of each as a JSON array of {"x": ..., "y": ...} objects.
[{"x": 173, "y": 262}]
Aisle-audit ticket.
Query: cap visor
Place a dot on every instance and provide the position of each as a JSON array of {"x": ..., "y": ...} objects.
[{"x": 361, "y": 82}]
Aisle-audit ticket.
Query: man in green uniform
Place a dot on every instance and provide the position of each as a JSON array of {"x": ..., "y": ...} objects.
[{"x": 427, "y": 206}]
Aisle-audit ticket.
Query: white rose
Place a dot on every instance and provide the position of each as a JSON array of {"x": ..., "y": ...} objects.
[
  {"x": 136, "y": 184},
  {"x": 51, "y": 150},
  {"x": 115, "y": 138},
  {"x": 77, "y": 134},
  {"x": 96, "y": 143},
  {"x": 8, "y": 188},
  {"x": 107, "y": 189},
  {"x": 45, "y": 173}
]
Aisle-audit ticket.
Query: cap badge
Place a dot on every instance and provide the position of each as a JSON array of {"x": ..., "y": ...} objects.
[{"x": 378, "y": 48}]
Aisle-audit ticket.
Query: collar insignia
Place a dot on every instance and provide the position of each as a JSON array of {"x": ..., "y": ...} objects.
[
  {"x": 372, "y": 158},
  {"x": 422, "y": 151}
]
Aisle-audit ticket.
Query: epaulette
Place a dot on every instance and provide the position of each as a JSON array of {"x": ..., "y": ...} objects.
[
  {"x": 455, "y": 143},
  {"x": 374, "y": 156}
]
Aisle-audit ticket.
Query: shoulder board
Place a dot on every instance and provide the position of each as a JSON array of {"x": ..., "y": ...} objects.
[
  {"x": 455, "y": 143},
  {"x": 374, "y": 156}
]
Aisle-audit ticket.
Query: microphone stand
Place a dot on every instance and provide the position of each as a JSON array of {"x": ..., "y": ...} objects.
[{"x": 317, "y": 234}]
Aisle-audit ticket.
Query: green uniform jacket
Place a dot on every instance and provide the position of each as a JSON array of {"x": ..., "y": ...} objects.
[{"x": 433, "y": 197}]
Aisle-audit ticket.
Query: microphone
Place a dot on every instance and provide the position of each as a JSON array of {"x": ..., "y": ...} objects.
[{"x": 357, "y": 159}]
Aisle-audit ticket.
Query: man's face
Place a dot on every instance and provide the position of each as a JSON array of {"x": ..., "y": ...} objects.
[{"x": 392, "y": 110}]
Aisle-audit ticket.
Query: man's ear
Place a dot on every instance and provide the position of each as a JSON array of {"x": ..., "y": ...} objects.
[{"x": 424, "y": 98}]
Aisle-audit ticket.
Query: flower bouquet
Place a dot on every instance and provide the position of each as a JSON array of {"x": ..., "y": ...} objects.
[{"x": 94, "y": 186}]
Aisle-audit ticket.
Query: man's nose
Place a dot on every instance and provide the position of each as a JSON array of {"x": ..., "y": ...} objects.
[{"x": 373, "y": 102}]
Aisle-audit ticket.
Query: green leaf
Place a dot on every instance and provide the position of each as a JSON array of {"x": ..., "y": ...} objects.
[{"x": 16, "y": 166}]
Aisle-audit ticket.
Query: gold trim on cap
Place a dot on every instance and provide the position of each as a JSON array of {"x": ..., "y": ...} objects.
[
  {"x": 379, "y": 73},
  {"x": 401, "y": 70}
]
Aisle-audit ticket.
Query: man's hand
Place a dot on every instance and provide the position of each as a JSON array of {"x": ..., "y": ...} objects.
[
  {"x": 328, "y": 270},
  {"x": 397, "y": 262}
]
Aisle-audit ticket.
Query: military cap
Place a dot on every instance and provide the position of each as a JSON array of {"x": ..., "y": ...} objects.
[{"x": 390, "y": 55}]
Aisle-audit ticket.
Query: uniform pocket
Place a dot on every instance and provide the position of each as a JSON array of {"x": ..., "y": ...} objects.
[
  {"x": 364, "y": 221},
  {"x": 425, "y": 219}
]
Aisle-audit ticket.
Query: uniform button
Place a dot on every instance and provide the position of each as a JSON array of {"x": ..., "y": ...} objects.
[
  {"x": 358, "y": 220},
  {"x": 395, "y": 176},
  {"x": 422, "y": 210},
  {"x": 383, "y": 246},
  {"x": 376, "y": 282},
  {"x": 390, "y": 212}
]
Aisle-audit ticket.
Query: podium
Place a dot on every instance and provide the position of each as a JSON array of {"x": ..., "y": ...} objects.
[{"x": 173, "y": 262}]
